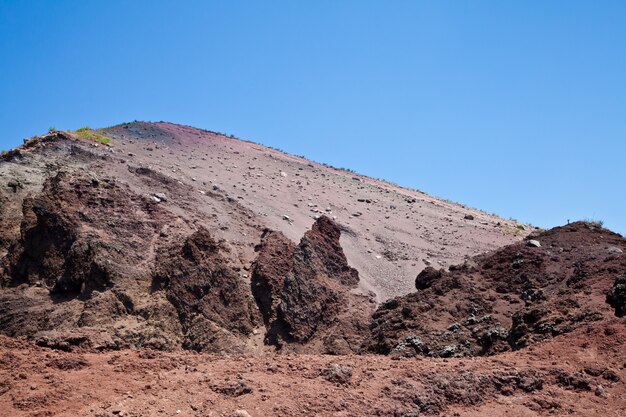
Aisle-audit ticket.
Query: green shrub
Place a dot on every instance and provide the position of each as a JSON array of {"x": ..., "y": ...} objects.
[{"x": 88, "y": 133}]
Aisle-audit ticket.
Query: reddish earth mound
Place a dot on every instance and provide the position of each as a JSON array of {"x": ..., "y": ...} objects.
[
  {"x": 516, "y": 296},
  {"x": 304, "y": 292}
]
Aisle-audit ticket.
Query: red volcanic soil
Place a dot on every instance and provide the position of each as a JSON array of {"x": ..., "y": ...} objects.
[{"x": 581, "y": 374}]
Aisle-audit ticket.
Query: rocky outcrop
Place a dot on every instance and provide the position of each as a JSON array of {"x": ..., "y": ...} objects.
[
  {"x": 212, "y": 300},
  {"x": 304, "y": 292},
  {"x": 98, "y": 263},
  {"x": 74, "y": 233},
  {"x": 616, "y": 297},
  {"x": 509, "y": 299},
  {"x": 113, "y": 268}
]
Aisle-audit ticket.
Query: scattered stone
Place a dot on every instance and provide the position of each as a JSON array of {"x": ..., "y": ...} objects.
[
  {"x": 454, "y": 327},
  {"x": 14, "y": 185},
  {"x": 285, "y": 217},
  {"x": 615, "y": 250},
  {"x": 241, "y": 413},
  {"x": 448, "y": 351},
  {"x": 232, "y": 389},
  {"x": 468, "y": 217},
  {"x": 339, "y": 374},
  {"x": 159, "y": 197},
  {"x": 534, "y": 243},
  {"x": 283, "y": 174}
]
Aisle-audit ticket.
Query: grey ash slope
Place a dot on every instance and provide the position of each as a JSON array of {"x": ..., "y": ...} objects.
[{"x": 389, "y": 233}]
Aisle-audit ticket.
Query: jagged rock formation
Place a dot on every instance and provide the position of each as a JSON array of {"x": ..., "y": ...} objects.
[
  {"x": 79, "y": 265},
  {"x": 304, "y": 292},
  {"x": 508, "y": 299},
  {"x": 212, "y": 300},
  {"x": 97, "y": 265}
]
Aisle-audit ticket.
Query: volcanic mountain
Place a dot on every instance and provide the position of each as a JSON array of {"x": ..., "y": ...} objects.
[{"x": 155, "y": 241}]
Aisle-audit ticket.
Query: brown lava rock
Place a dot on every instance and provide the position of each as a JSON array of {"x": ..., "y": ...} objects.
[
  {"x": 304, "y": 292},
  {"x": 507, "y": 299},
  {"x": 207, "y": 293}
]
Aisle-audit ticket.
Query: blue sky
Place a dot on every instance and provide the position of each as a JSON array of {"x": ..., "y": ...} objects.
[{"x": 517, "y": 108}]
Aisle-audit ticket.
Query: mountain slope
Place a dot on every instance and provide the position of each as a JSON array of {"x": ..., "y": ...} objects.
[
  {"x": 120, "y": 253},
  {"x": 151, "y": 239},
  {"x": 390, "y": 233}
]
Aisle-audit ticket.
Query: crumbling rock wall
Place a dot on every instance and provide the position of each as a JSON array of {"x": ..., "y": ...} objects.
[
  {"x": 508, "y": 299},
  {"x": 79, "y": 264}
]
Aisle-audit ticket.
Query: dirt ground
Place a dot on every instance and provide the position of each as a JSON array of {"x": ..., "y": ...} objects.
[{"x": 585, "y": 378}]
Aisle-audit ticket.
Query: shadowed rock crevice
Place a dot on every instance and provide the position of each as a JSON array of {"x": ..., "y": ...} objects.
[
  {"x": 52, "y": 251},
  {"x": 616, "y": 296}
]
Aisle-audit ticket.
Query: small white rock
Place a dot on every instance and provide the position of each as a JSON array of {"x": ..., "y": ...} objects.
[{"x": 534, "y": 243}]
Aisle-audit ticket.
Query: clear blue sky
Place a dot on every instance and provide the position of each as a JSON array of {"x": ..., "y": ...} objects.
[{"x": 517, "y": 108}]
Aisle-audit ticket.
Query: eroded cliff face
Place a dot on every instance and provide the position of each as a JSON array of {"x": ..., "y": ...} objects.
[
  {"x": 95, "y": 264},
  {"x": 81, "y": 234},
  {"x": 305, "y": 292},
  {"x": 80, "y": 267},
  {"x": 105, "y": 253},
  {"x": 522, "y": 294}
]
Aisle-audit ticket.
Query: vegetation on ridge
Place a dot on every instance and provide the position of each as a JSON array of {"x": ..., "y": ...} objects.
[{"x": 88, "y": 133}]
